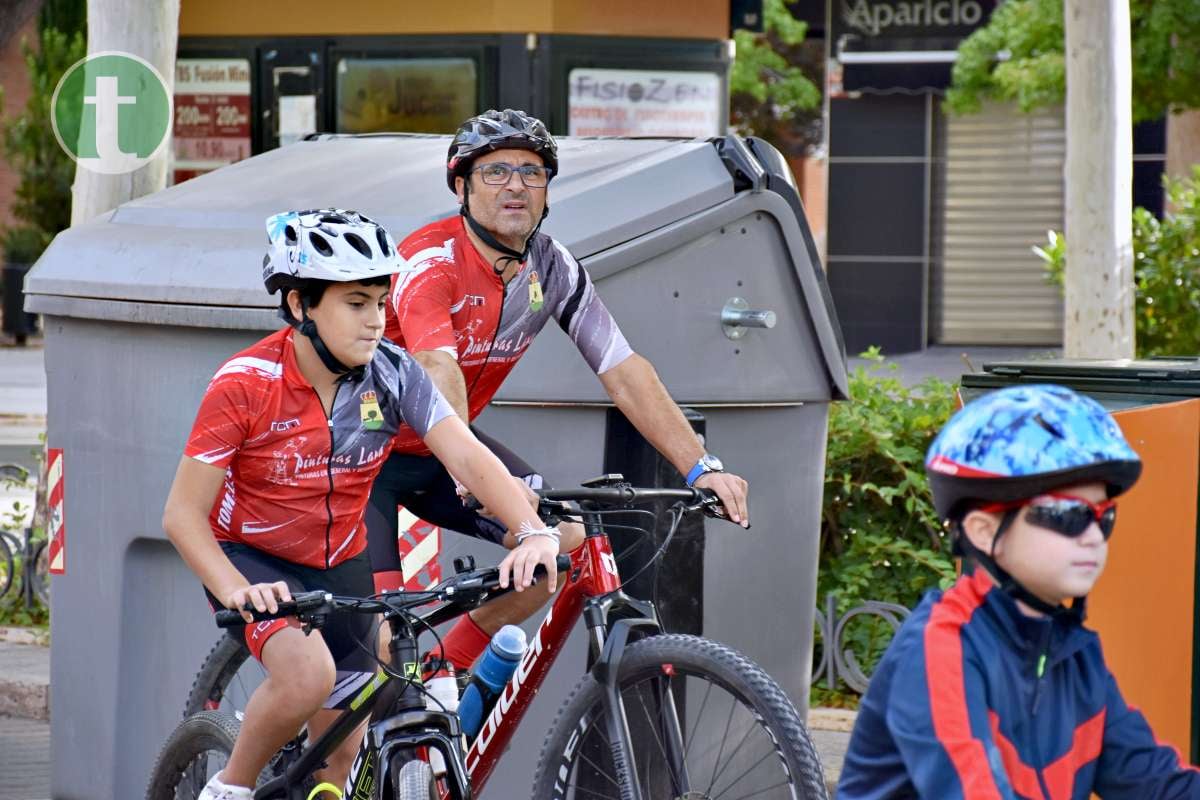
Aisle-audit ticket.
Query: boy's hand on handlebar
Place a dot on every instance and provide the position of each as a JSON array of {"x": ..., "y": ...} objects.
[
  {"x": 264, "y": 597},
  {"x": 521, "y": 562},
  {"x": 732, "y": 491}
]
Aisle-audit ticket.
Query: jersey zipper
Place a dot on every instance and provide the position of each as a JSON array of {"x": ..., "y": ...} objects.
[
  {"x": 1043, "y": 657},
  {"x": 487, "y": 359},
  {"x": 329, "y": 467}
]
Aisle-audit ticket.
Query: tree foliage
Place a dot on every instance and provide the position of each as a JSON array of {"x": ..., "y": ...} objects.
[
  {"x": 1166, "y": 271},
  {"x": 770, "y": 94},
  {"x": 42, "y": 200},
  {"x": 1018, "y": 56}
]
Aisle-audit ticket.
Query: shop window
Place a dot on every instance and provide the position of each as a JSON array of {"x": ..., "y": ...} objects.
[{"x": 417, "y": 95}]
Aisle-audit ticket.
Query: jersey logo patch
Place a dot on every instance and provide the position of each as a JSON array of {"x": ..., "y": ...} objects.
[
  {"x": 535, "y": 293},
  {"x": 368, "y": 410}
]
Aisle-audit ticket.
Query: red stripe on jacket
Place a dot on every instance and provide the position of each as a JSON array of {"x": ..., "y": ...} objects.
[{"x": 947, "y": 690}]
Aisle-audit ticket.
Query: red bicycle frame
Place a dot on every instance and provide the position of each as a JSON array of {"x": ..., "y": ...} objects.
[{"x": 593, "y": 573}]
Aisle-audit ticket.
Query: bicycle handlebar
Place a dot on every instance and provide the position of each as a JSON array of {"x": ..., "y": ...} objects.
[{"x": 464, "y": 587}]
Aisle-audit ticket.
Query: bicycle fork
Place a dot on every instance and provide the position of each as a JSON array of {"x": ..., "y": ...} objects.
[{"x": 607, "y": 648}]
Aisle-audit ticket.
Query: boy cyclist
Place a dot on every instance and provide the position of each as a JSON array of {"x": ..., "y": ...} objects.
[
  {"x": 994, "y": 689},
  {"x": 269, "y": 496}
]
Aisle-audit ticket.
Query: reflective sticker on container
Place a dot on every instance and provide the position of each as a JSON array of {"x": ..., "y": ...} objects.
[
  {"x": 56, "y": 522},
  {"x": 419, "y": 544}
]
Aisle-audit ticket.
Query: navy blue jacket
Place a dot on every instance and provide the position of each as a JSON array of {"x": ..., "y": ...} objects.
[{"x": 956, "y": 709}]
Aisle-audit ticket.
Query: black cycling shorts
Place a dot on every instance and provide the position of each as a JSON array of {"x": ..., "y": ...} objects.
[
  {"x": 345, "y": 634},
  {"x": 422, "y": 485}
]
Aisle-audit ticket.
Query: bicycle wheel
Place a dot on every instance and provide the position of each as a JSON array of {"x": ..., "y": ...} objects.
[
  {"x": 730, "y": 730},
  {"x": 227, "y": 678},
  {"x": 196, "y": 751},
  {"x": 41, "y": 572},
  {"x": 6, "y": 565},
  {"x": 413, "y": 780}
]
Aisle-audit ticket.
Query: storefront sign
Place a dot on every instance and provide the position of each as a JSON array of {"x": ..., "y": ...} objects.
[
  {"x": 212, "y": 114},
  {"x": 618, "y": 102},
  {"x": 884, "y": 45},
  {"x": 916, "y": 18}
]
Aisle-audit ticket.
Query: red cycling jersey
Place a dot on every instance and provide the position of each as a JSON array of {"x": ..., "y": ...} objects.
[
  {"x": 450, "y": 299},
  {"x": 296, "y": 480}
]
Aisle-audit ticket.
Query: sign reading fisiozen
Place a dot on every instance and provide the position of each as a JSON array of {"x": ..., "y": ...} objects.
[{"x": 622, "y": 102}]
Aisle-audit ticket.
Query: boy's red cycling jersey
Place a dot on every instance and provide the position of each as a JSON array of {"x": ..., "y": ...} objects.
[
  {"x": 296, "y": 480},
  {"x": 974, "y": 700},
  {"x": 451, "y": 299}
]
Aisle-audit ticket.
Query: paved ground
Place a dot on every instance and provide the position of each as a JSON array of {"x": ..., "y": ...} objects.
[
  {"x": 950, "y": 362},
  {"x": 24, "y": 759}
]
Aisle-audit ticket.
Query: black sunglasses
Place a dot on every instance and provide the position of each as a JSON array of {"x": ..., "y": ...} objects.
[{"x": 1063, "y": 514}]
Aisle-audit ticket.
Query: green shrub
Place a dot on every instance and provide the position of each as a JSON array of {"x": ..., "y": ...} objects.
[
  {"x": 880, "y": 536},
  {"x": 42, "y": 200},
  {"x": 1166, "y": 271}
]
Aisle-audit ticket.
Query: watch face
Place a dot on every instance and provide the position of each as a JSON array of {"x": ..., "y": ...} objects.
[{"x": 712, "y": 463}]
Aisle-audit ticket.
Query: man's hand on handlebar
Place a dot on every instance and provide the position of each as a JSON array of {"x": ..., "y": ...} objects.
[
  {"x": 522, "y": 560},
  {"x": 732, "y": 491},
  {"x": 264, "y": 597}
]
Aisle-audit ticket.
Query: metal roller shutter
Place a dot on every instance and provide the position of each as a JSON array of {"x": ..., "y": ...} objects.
[{"x": 995, "y": 192}]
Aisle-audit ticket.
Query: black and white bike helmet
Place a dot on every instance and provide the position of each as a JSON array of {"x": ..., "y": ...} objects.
[{"x": 326, "y": 244}]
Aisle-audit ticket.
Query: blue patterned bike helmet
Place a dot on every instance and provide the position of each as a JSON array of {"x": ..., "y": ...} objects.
[{"x": 1021, "y": 441}]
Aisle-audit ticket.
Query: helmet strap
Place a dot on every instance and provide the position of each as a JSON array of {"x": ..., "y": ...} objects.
[
  {"x": 1010, "y": 585},
  {"x": 508, "y": 254},
  {"x": 309, "y": 328}
]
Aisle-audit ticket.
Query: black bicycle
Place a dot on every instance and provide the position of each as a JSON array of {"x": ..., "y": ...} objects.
[
  {"x": 657, "y": 715},
  {"x": 23, "y": 555}
]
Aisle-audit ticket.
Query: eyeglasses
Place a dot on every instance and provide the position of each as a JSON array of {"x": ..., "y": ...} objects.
[
  {"x": 1063, "y": 514},
  {"x": 497, "y": 173}
]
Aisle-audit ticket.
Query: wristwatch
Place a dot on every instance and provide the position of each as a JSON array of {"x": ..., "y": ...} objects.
[{"x": 707, "y": 463}]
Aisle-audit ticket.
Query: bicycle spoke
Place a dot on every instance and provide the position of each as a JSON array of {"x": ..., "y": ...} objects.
[
  {"x": 759, "y": 792},
  {"x": 687, "y": 745},
  {"x": 750, "y": 769},
  {"x": 717, "y": 763},
  {"x": 741, "y": 743},
  {"x": 599, "y": 771}
]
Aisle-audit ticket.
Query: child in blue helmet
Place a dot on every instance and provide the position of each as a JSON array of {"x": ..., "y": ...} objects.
[{"x": 993, "y": 688}]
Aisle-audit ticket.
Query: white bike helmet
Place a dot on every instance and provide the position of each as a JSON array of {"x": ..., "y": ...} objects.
[{"x": 326, "y": 244}]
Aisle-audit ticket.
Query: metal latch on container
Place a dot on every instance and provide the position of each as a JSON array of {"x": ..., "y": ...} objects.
[{"x": 737, "y": 316}]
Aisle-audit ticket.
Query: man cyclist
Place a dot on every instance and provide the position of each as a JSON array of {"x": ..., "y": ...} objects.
[
  {"x": 269, "y": 496},
  {"x": 479, "y": 286}
]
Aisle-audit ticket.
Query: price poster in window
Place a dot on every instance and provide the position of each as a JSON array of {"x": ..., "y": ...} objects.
[{"x": 212, "y": 115}]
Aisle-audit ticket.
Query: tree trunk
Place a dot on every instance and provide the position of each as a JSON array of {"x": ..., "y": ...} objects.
[
  {"x": 1183, "y": 142},
  {"x": 146, "y": 28},
  {"x": 1099, "y": 181}
]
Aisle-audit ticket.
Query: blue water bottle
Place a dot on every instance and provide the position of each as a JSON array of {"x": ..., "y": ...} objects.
[{"x": 488, "y": 677}]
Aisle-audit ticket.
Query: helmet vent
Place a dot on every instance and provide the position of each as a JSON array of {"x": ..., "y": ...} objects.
[
  {"x": 290, "y": 235},
  {"x": 319, "y": 244},
  {"x": 383, "y": 242},
  {"x": 356, "y": 241},
  {"x": 1047, "y": 427}
]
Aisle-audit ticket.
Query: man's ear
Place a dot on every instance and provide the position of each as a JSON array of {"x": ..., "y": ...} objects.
[
  {"x": 980, "y": 528},
  {"x": 460, "y": 188}
]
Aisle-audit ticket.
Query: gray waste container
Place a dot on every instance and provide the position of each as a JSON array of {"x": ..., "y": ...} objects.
[{"x": 142, "y": 305}]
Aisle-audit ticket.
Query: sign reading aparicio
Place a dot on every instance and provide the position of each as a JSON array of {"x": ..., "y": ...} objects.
[{"x": 911, "y": 18}]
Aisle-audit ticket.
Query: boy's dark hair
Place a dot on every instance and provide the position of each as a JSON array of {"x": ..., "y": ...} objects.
[{"x": 312, "y": 290}]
